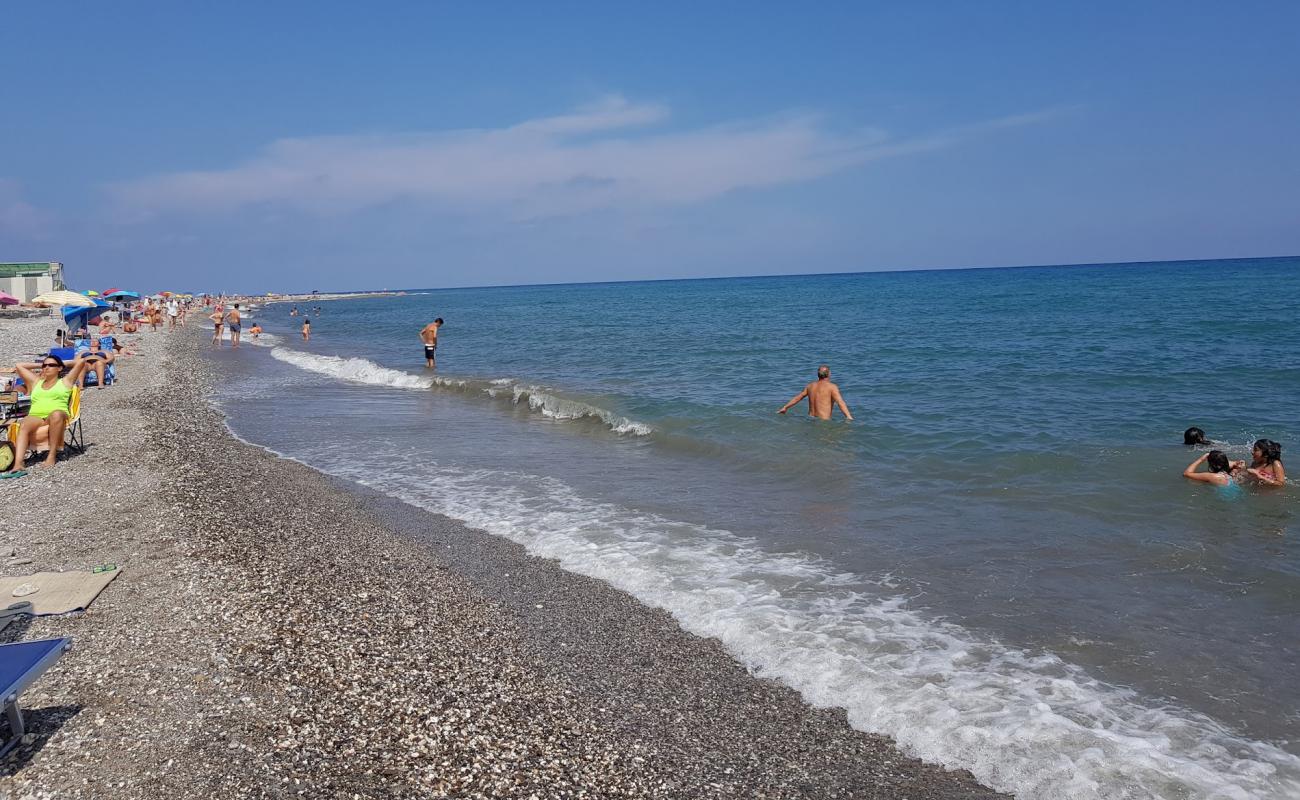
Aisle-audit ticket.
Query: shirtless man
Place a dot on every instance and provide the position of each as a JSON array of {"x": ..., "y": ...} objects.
[
  {"x": 233, "y": 322},
  {"x": 822, "y": 397},
  {"x": 429, "y": 335}
]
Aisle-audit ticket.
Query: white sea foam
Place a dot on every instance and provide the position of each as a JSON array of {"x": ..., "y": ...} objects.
[
  {"x": 537, "y": 398},
  {"x": 1027, "y": 723},
  {"x": 357, "y": 370}
]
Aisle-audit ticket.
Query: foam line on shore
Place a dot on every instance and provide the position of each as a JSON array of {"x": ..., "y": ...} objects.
[
  {"x": 544, "y": 401},
  {"x": 1027, "y": 723}
]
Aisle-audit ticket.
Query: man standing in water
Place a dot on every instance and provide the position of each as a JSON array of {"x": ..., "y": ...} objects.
[
  {"x": 822, "y": 397},
  {"x": 233, "y": 322},
  {"x": 430, "y": 338}
]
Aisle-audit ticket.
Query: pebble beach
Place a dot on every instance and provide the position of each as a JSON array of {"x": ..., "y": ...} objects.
[{"x": 277, "y": 633}]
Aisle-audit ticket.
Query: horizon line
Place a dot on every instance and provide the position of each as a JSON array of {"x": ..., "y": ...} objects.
[{"x": 807, "y": 274}]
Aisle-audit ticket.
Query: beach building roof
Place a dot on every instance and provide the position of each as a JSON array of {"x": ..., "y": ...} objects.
[{"x": 27, "y": 279}]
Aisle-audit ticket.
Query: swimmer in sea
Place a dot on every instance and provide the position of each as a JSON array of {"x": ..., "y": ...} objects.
[
  {"x": 1194, "y": 435},
  {"x": 306, "y": 330},
  {"x": 1221, "y": 469},
  {"x": 822, "y": 397},
  {"x": 1266, "y": 463}
]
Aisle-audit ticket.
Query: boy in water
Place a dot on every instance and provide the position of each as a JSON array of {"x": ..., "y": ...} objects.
[{"x": 429, "y": 335}]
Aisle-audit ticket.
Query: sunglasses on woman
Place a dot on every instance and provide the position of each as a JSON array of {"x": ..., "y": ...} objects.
[{"x": 47, "y": 364}]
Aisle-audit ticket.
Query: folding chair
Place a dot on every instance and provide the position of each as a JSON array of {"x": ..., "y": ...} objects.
[{"x": 21, "y": 664}]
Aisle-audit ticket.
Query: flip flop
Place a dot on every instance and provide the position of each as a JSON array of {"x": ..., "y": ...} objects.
[
  {"x": 18, "y": 473},
  {"x": 104, "y": 568}
]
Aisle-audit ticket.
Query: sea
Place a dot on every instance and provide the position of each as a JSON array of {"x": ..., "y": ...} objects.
[{"x": 998, "y": 563}]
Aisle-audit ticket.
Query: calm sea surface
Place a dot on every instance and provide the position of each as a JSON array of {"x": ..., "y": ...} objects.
[{"x": 998, "y": 564}]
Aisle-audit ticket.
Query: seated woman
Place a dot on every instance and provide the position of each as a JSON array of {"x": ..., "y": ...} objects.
[
  {"x": 106, "y": 326},
  {"x": 50, "y": 411},
  {"x": 98, "y": 361},
  {"x": 1221, "y": 469},
  {"x": 1266, "y": 465},
  {"x": 130, "y": 326}
]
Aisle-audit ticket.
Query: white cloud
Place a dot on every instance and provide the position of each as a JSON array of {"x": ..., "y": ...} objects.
[
  {"x": 19, "y": 218},
  {"x": 608, "y": 155}
]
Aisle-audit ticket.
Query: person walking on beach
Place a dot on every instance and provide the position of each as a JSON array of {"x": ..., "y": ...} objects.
[
  {"x": 822, "y": 397},
  {"x": 233, "y": 322},
  {"x": 218, "y": 320},
  {"x": 429, "y": 335},
  {"x": 173, "y": 311}
]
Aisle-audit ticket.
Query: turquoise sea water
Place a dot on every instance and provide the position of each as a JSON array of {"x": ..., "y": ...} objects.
[{"x": 999, "y": 563}]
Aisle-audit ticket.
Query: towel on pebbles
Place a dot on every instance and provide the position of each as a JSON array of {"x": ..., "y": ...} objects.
[{"x": 56, "y": 592}]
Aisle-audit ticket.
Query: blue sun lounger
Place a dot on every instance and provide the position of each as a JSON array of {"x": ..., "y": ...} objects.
[{"x": 21, "y": 664}]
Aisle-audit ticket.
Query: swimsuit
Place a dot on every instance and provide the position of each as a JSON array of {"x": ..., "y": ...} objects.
[
  {"x": 429, "y": 348},
  {"x": 46, "y": 401}
]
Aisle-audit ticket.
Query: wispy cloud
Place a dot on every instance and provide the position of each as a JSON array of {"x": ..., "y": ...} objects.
[
  {"x": 19, "y": 218},
  {"x": 613, "y": 154}
]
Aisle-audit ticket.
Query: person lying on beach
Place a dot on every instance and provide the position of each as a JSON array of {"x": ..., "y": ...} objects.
[
  {"x": 1221, "y": 469},
  {"x": 130, "y": 326},
  {"x": 98, "y": 361},
  {"x": 1266, "y": 463},
  {"x": 1194, "y": 435},
  {"x": 51, "y": 407},
  {"x": 822, "y": 397},
  {"x": 106, "y": 326},
  {"x": 306, "y": 330}
]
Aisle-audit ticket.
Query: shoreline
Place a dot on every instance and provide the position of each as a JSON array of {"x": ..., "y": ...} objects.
[{"x": 323, "y": 639}]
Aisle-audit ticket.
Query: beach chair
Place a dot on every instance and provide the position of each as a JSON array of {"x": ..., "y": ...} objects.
[
  {"x": 110, "y": 376},
  {"x": 64, "y": 354},
  {"x": 74, "y": 435},
  {"x": 21, "y": 663}
]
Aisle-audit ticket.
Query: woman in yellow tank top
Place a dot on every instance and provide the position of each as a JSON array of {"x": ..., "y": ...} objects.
[{"x": 49, "y": 414}]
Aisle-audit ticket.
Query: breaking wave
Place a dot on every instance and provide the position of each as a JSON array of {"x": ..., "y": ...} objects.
[{"x": 542, "y": 400}]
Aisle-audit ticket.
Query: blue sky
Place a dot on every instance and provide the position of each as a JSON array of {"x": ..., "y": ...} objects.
[{"x": 285, "y": 146}]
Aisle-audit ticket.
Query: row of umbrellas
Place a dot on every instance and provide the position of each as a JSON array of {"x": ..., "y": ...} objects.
[{"x": 89, "y": 299}]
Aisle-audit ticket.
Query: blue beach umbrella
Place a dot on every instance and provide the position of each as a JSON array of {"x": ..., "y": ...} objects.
[
  {"x": 76, "y": 316},
  {"x": 121, "y": 294}
]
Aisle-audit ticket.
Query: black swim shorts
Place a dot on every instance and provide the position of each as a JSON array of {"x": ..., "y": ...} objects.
[{"x": 428, "y": 350}]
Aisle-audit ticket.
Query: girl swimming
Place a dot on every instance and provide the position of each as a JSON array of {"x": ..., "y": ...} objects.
[
  {"x": 1266, "y": 466},
  {"x": 1221, "y": 469}
]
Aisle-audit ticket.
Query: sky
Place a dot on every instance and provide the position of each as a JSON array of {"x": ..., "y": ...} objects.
[{"x": 339, "y": 146}]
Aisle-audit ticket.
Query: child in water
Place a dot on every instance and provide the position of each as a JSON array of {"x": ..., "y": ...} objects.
[
  {"x": 1266, "y": 463},
  {"x": 256, "y": 330},
  {"x": 1221, "y": 469},
  {"x": 1194, "y": 435}
]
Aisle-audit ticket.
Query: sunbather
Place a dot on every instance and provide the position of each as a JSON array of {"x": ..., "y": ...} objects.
[
  {"x": 50, "y": 412},
  {"x": 98, "y": 358}
]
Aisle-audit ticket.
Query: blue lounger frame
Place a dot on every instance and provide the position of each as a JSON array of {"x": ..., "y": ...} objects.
[{"x": 21, "y": 663}]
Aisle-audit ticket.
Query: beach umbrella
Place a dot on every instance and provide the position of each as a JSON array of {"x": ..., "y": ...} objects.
[
  {"x": 107, "y": 292},
  {"x": 81, "y": 315},
  {"x": 62, "y": 298},
  {"x": 121, "y": 294},
  {"x": 91, "y": 293},
  {"x": 8, "y": 299}
]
